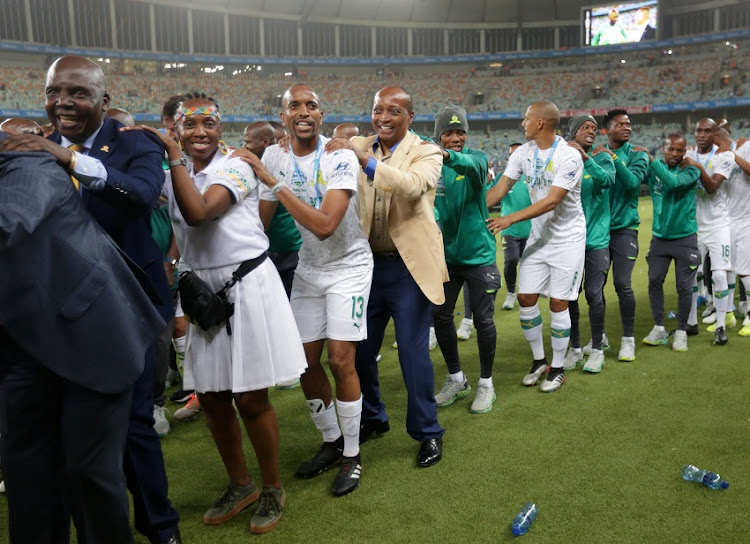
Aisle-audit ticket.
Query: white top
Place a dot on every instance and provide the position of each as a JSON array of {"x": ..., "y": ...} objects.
[
  {"x": 235, "y": 236},
  {"x": 711, "y": 210},
  {"x": 738, "y": 189},
  {"x": 565, "y": 225},
  {"x": 345, "y": 248}
]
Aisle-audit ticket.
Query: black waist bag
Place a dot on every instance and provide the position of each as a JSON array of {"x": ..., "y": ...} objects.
[{"x": 205, "y": 308}]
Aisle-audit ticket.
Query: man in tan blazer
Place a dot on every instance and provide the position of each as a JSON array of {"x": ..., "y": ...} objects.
[{"x": 397, "y": 192}]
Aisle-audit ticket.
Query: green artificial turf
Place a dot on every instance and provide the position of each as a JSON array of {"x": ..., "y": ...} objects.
[{"x": 602, "y": 457}]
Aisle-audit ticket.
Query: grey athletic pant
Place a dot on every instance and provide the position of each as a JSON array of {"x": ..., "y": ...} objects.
[
  {"x": 483, "y": 281},
  {"x": 684, "y": 252},
  {"x": 594, "y": 277},
  {"x": 623, "y": 251},
  {"x": 512, "y": 250}
]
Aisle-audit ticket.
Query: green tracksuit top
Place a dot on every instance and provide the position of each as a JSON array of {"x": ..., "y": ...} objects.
[
  {"x": 461, "y": 201},
  {"x": 673, "y": 197},
  {"x": 283, "y": 236},
  {"x": 516, "y": 199},
  {"x": 598, "y": 178},
  {"x": 631, "y": 170}
]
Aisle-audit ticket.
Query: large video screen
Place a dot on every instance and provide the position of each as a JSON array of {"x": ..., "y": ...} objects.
[{"x": 628, "y": 22}]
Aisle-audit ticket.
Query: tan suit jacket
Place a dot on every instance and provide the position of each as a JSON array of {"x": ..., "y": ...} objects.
[{"x": 410, "y": 175}]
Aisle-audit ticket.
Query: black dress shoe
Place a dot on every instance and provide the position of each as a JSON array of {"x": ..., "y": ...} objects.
[
  {"x": 430, "y": 452},
  {"x": 176, "y": 538},
  {"x": 371, "y": 429}
]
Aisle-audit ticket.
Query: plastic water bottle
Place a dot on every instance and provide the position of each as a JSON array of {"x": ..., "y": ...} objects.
[
  {"x": 522, "y": 522},
  {"x": 707, "y": 478}
]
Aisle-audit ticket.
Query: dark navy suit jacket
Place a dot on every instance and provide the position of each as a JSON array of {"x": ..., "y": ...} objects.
[
  {"x": 69, "y": 298},
  {"x": 123, "y": 207}
]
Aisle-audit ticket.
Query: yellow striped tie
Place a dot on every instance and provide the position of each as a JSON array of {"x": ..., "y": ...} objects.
[{"x": 75, "y": 148}]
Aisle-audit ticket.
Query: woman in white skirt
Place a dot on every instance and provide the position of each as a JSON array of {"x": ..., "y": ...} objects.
[{"x": 214, "y": 211}]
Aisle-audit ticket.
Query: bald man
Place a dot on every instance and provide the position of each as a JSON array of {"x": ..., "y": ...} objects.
[
  {"x": 332, "y": 281},
  {"x": 714, "y": 227},
  {"x": 121, "y": 115},
  {"x": 120, "y": 176},
  {"x": 19, "y": 125},
  {"x": 258, "y": 136},
  {"x": 553, "y": 260},
  {"x": 738, "y": 195},
  {"x": 398, "y": 179},
  {"x": 346, "y": 130}
]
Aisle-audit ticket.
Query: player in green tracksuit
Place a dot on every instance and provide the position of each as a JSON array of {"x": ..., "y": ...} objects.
[
  {"x": 470, "y": 255},
  {"x": 672, "y": 183},
  {"x": 514, "y": 237},
  {"x": 598, "y": 179},
  {"x": 631, "y": 170}
]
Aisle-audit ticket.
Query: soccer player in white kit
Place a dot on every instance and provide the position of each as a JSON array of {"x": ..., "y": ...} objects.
[
  {"x": 712, "y": 215},
  {"x": 552, "y": 262},
  {"x": 738, "y": 196},
  {"x": 332, "y": 280}
]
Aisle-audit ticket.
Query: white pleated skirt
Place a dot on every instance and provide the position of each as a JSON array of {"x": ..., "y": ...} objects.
[{"x": 264, "y": 348}]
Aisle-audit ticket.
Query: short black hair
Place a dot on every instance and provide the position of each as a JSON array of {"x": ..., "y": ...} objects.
[
  {"x": 515, "y": 144},
  {"x": 611, "y": 114},
  {"x": 170, "y": 106}
]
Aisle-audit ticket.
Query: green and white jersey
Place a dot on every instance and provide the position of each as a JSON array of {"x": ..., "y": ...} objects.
[
  {"x": 712, "y": 209},
  {"x": 560, "y": 166}
]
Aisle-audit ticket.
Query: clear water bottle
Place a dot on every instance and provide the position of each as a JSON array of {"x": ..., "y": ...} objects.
[
  {"x": 522, "y": 522},
  {"x": 707, "y": 478}
]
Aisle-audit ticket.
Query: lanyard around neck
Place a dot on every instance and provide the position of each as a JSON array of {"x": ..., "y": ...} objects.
[
  {"x": 316, "y": 172},
  {"x": 537, "y": 172},
  {"x": 710, "y": 156}
]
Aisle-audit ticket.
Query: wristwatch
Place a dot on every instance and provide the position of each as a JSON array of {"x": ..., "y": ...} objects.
[
  {"x": 177, "y": 162},
  {"x": 173, "y": 262}
]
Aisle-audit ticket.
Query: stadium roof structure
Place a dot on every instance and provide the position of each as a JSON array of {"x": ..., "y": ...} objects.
[{"x": 428, "y": 13}]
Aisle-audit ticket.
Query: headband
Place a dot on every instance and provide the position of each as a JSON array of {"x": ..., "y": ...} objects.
[{"x": 198, "y": 110}]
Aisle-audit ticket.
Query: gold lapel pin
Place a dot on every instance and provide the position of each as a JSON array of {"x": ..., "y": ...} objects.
[{"x": 105, "y": 148}]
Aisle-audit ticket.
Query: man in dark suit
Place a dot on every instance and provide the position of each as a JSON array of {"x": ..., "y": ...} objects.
[
  {"x": 121, "y": 175},
  {"x": 67, "y": 365}
]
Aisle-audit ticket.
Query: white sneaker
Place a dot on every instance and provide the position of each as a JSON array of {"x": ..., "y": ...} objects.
[
  {"x": 483, "y": 399},
  {"x": 433, "y": 339},
  {"x": 378, "y": 358},
  {"x": 657, "y": 337},
  {"x": 2, "y": 486},
  {"x": 510, "y": 301},
  {"x": 595, "y": 362},
  {"x": 464, "y": 329},
  {"x": 590, "y": 346},
  {"x": 627, "y": 349},
  {"x": 553, "y": 381},
  {"x": 680, "y": 341},
  {"x": 710, "y": 319},
  {"x": 452, "y": 391},
  {"x": 709, "y": 308},
  {"x": 743, "y": 307},
  {"x": 573, "y": 357},
  {"x": 161, "y": 424}
]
